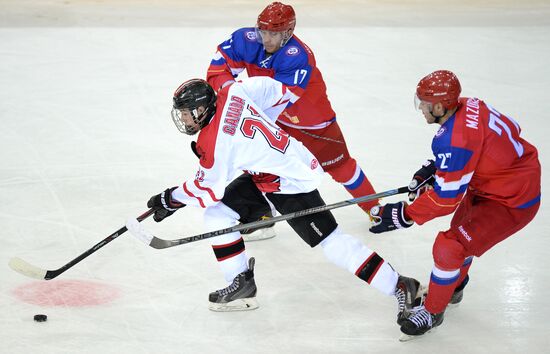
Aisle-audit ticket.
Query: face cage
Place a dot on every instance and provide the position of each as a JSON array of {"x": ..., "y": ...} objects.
[
  {"x": 186, "y": 128},
  {"x": 285, "y": 36}
]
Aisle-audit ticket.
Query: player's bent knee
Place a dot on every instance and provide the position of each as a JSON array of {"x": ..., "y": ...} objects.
[
  {"x": 313, "y": 229},
  {"x": 344, "y": 171},
  {"x": 447, "y": 251},
  {"x": 220, "y": 216}
]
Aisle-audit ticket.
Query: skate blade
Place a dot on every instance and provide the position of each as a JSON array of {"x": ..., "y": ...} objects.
[
  {"x": 407, "y": 337},
  {"x": 236, "y": 305},
  {"x": 261, "y": 234}
]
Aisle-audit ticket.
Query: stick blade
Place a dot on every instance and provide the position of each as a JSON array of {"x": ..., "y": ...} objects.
[
  {"x": 139, "y": 231},
  {"x": 27, "y": 269},
  {"x": 145, "y": 236},
  {"x": 160, "y": 243}
]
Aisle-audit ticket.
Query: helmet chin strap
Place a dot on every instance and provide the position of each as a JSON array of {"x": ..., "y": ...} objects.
[{"x": 437, "y": 119}]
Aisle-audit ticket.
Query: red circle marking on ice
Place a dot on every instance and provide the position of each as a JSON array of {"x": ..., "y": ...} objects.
[{"x": 74, "y": 293}]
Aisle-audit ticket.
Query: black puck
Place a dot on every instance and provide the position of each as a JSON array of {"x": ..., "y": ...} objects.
[{"x": 40, "y": 318}]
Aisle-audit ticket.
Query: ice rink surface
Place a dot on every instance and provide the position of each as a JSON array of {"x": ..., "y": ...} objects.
[{"x": 86, "y": 138}]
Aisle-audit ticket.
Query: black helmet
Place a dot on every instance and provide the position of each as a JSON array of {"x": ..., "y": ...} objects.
[{"x": 190, "y": 96}]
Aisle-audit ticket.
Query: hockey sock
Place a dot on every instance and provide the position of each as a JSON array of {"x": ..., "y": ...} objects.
[
  {"x": 449, "y": 258},
  {"x": 464, "y": 270},
  {"x": 231, "y": 258},
  {"x": 349, "y": 253},
  {"x": 441, "y": 288},
  {"x": 229, "y": 248},
  {"x": 357, "y": 185}
]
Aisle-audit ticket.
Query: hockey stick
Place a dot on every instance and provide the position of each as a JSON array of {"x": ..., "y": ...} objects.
[
  {"x": 303, "y": 131},
  {"x": 32, "y": 271},
  {"x": 145, "y": 236}
]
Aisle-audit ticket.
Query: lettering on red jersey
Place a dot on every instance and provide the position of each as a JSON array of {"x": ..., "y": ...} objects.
[{"x": 472, "y": 113}]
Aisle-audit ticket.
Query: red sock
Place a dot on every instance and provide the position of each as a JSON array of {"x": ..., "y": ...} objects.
[{"x": 441, "y": 288}]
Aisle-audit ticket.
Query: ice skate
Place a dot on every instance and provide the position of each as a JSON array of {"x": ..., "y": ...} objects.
[
  {"x": 408, "y": 292},
  {"x": 419, "y": 323},
  {"x": 458, "y": 293},
  {"x": 239, "y": 296},
  {"x": 262, "y": 233}
]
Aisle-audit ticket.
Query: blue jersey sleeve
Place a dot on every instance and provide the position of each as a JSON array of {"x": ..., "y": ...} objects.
[
  {"x": 240, "y": 47},
  {"x": 452, "y": 177}
]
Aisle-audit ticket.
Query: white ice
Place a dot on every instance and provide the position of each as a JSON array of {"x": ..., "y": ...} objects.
[{"x": 86, "y": 138}]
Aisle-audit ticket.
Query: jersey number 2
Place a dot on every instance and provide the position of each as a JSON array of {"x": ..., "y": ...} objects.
[{"x": 277, "y": 140}]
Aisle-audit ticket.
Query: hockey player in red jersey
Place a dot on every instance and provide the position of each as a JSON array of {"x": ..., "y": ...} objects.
[
  {"x": 271, "y": 49},
  {"x": 483, "y": 171},
  {"x": 238, "y": 132}
]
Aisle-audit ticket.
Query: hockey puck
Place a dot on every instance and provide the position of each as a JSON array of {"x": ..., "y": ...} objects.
[{"x": 40, "y": 318}]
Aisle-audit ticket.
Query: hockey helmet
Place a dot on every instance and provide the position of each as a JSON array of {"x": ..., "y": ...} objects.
[
  {"x": 188, "y": 98},
  {"x": 277, "y": 17},
  {"x": 441, "y": 86}
]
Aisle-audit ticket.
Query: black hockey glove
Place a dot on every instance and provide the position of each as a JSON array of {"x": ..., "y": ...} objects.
[
  {"x": 422, "y": 180},
  {"x": 164, "y": 205},
  {"x": 389, "y": 217}
]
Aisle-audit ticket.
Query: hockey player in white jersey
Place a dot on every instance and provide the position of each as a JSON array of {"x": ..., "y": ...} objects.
[{"x": 237, "y": 133}]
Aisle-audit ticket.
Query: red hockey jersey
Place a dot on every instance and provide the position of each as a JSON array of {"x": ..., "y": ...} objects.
[
  {"x": 479, "y": 150},
  {"x": 294, "y": 65}
]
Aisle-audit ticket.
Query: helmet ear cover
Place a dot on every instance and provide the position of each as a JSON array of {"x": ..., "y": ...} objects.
[
  {"x": 190, "y": 96},
  {"x": 441, "y": 86}
]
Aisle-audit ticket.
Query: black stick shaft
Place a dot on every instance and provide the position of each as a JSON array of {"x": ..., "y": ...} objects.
[
  {"x": 50, "y": 274},
  {"x": 160, "y": 243}
]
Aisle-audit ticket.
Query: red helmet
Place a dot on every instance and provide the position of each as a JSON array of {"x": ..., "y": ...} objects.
[
  {"x": 440, "y": 86},
  {"x": 277, "y": 17}
]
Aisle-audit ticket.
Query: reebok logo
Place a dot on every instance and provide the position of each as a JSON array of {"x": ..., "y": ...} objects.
[{"x": 464, "y": 233}]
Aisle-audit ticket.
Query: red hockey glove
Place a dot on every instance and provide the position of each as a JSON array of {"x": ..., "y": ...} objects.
[
  {"x": 389, "y": 217},
  {"x": 164, "y": 205},
  {"x": 422, "y": 180}
]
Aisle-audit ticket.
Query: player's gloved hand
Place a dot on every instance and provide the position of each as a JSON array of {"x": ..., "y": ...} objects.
[
  {"x": 389, "y": 217},
  {"x": 422, "y": 180},
  {"x": 164, "y": 205}
]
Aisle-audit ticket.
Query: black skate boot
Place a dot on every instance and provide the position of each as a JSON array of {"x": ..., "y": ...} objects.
[
  {"x": 459, "y": 292},
  {"x": 261, "y": 233},
  {"x": 239, "y": 296},
  {"x": 419, "y": 323},
  {"x": 407, "y": 290}
]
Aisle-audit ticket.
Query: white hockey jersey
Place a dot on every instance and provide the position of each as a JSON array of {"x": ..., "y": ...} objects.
[{"x": 242, "y": 136}]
